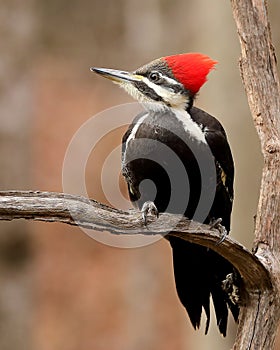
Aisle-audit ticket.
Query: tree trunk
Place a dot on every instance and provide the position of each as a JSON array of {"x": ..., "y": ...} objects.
[{"x": 259, "y": 320}]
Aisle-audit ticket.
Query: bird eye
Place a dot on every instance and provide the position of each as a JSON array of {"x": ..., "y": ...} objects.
[{"x": 154, "y": 77}]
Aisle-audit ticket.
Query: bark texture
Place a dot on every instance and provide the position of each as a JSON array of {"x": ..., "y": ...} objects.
[
  {"x": 76, "y": 210},
  {"x": 259, "y": 320}
]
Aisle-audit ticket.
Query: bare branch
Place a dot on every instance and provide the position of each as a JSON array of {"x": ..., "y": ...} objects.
[{"x": 76, "y": 210}]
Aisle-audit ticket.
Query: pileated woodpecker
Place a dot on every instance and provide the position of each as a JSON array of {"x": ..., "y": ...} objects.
[{"x": 170, "y": 138}]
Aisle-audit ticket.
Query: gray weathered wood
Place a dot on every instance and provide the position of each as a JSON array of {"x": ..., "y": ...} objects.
[
  {"x": 76, "y": 210},
  {"x": 259, "y": 320}
]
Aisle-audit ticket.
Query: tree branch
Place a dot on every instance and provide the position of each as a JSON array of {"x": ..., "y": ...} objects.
[
  {"x": 261, "y": 82},
  {"x": 76, "y": 210}
]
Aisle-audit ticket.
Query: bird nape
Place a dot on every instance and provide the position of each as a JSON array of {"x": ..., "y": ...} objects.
[{"x": 184, "y": 152}]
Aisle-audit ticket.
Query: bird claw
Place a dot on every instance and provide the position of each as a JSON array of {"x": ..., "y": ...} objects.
[
  {"x": 148, "y": 208},
  {"x": 230, "y": 286},
  {"x": 216, "y": 224}
]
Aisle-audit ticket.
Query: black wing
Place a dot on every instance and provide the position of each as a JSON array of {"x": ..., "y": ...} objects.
[{"x": 217, "y": 140}]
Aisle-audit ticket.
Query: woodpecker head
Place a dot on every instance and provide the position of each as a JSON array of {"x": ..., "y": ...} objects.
[{"x": 171, "y": 81}]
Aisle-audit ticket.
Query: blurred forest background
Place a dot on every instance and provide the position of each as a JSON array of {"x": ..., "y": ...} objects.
[{"x": 61, "y": 290}]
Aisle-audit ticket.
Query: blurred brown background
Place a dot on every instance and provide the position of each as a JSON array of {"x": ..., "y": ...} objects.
[{"x": 59, "y": 289}]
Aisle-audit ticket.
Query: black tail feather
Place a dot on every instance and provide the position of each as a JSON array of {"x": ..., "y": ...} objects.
[
  {"x": 199, "y": 273},
  {"x": 221, "y": 309}
]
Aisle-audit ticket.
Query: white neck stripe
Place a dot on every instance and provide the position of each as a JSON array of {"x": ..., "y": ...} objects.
[{"x": 189, "y": 125}]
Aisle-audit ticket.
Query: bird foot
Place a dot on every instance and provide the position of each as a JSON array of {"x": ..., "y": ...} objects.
[
  {"x": 216, "y": 224},
  {"x": 148, "y": 208},
  {"x": 230, "y": 286}
]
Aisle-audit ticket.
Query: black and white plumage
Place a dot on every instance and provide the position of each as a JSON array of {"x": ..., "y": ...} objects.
[{"x": 177, "y": 157}]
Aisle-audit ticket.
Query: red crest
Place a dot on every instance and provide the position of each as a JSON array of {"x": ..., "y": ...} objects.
[{"x": 191, "y": 69}]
